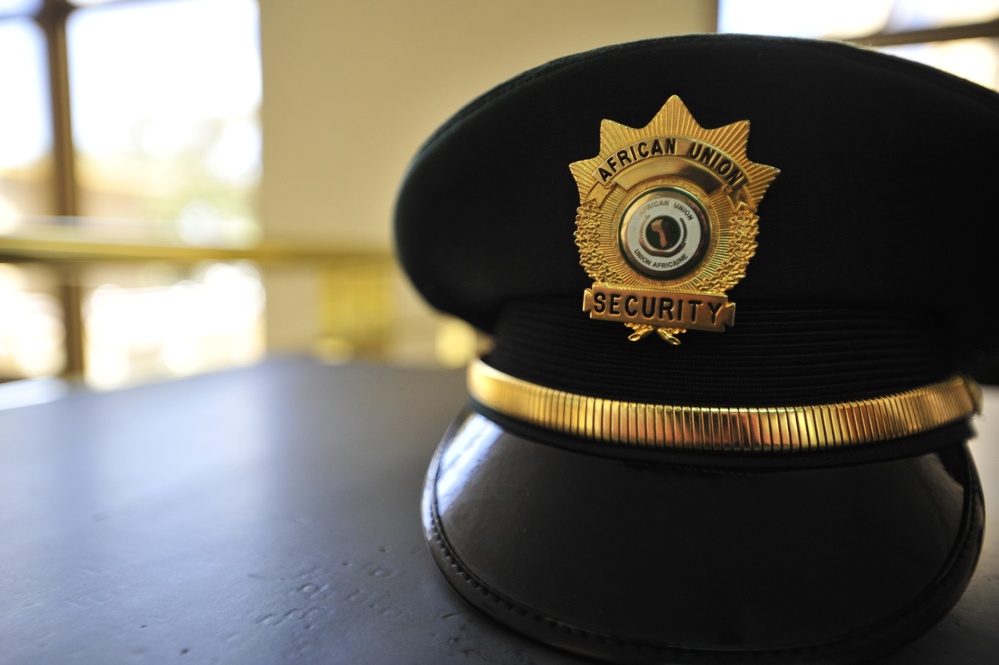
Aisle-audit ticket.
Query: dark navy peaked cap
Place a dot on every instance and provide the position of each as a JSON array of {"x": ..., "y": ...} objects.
[{"x": 795, "y": 489}]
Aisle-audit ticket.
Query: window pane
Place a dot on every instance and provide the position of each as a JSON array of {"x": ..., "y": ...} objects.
[
  {"x": 90, "y": 3},
  {"x": 159, "y": 320},
  {"x": 974, "y": 59},
  {"x": 31, "y": 330},
  {"x": 844, "y": 18},
  {"x": 848, "y": 18},
  {"x": 921, "y": 14},
  {"x": 18, "y": 7},
  {"x": 25, "y": 136},
  {"x": 165, "y": 100}
]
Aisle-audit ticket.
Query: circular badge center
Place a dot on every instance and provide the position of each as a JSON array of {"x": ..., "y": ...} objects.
[{"x": 664, "y": 232}]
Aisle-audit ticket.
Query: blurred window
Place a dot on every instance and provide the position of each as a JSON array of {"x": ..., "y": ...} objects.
[
  {"x": 164, "y": 146},
  {"x": 958, "y": 36}
]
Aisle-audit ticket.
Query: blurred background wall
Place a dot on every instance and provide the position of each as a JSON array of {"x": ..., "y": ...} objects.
[{"x": 351, "y": 91}]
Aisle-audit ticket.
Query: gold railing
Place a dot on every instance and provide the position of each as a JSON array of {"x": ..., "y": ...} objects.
[
  {"x": 355, "y": 284},
  {"x": 56, "y": 245}
]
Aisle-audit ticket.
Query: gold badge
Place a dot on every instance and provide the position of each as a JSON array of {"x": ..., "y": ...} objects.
[{"x": 667, "y": 222}]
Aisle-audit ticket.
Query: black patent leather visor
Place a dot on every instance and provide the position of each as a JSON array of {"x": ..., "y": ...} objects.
[{"x": 654, "y": 561}]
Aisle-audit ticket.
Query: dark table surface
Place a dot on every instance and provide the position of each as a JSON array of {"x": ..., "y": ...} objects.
[{"x": 271, "y": 515}]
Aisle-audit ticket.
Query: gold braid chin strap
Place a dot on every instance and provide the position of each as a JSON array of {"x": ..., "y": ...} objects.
[{"x": 767, "y": 429}]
